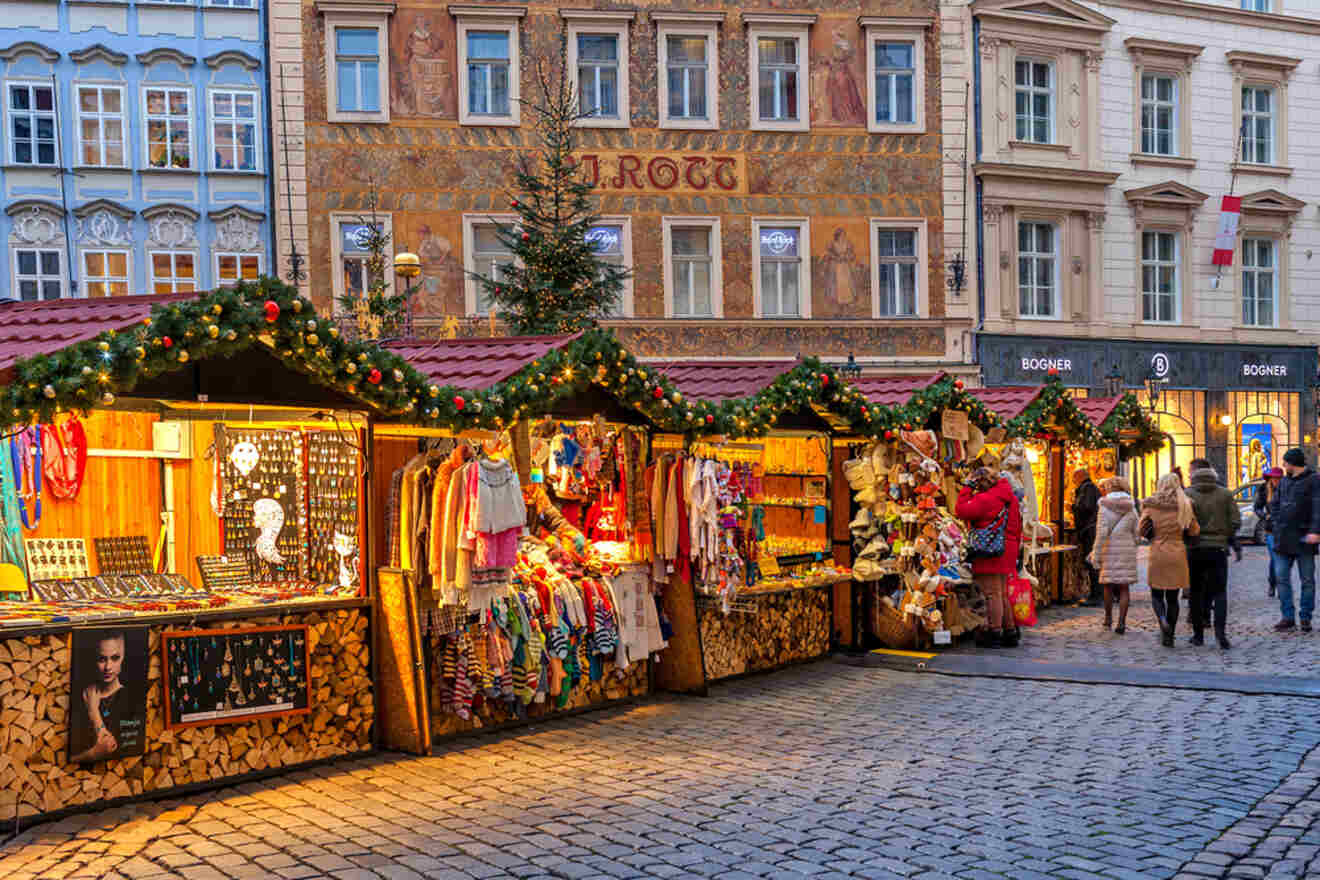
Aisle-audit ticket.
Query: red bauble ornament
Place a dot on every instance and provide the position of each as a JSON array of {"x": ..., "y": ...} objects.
[
  {"x": 459, "y": 403},
  {"x": 889, "y": 435},
  {"x": 166, "y": 341},
  {"x": 272, "y": 310},
  {"x": 513, "y": 204},
  {"x": 374, "y": 376},
  {"x": 1053, "y": 371},
  {"x": 526, "y": 237},
  {"x": 554, "y": 380},
  {"x": 710, "y": 420},
  {"x": 658, "y": 393},
  {"x": 907, "y": 426},
  {"x": 958, "y": 383},
  {"x": 824, "y": 378}
]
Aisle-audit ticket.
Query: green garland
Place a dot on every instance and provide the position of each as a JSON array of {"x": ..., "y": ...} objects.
[{"x": 228, "y": 321}]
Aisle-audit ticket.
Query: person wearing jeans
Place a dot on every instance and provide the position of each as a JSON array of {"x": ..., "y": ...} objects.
[
  {"x": 1295, "y": 510},
  {"x": 1261, "y": 505},
  {"x": 1219, "y": 520}
]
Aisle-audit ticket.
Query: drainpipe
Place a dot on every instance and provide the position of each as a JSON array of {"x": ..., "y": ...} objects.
[
  {"x": 272, "y": 264},
  {"x": 980, "y": 193}
]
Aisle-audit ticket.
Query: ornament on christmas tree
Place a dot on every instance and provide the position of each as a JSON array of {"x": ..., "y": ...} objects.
[
  {"x": 272, "y": 311},
  {"x": 374, "y": 376},
  {"x": 459, "y": 403},
  {"x": 167, "y": 342}
]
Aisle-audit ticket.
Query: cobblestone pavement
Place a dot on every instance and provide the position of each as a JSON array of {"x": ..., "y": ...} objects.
[
  {"x": 823, "y": 771},
  {"x": 1076, "y": 635}
]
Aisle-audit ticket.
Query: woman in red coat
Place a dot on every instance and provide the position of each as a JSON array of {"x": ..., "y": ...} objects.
[{"x": 980, "y": 501}]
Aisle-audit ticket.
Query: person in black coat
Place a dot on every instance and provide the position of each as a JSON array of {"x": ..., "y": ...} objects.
[
  {"x": 1261, "y": 506},
  {"x": 1085, "y": 509},
  {"x": 1295, "y": 511}
]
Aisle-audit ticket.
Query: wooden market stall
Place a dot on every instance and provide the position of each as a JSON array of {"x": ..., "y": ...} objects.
[{"x": 187, "y": 595}]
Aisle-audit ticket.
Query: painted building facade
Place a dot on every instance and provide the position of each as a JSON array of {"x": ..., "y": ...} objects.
[
  {"x": 773, "y": 178},
  {"x": 135, "y": 146},
  {"x": 1107, "y": 134}
]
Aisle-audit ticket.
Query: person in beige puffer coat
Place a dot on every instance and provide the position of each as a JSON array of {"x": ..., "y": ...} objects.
[{"x": 1115, "y": 552}]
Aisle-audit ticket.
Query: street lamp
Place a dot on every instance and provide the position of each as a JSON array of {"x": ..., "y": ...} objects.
[
  {"x": 407, "y": 266},
  {"x": 1113, "y": 382},
  {"x": 852, "y": 369},
  {"x": 1152, "y": 383}
]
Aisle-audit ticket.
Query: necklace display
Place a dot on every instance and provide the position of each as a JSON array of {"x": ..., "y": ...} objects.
[
  {"x": 217, "y": 674},
  {"x": 332, "y": 521}
]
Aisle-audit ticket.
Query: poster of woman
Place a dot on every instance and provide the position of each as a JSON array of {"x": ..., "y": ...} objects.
[{"x": 108, "y": 711}]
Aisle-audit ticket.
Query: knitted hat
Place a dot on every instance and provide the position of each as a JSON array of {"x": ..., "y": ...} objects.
[
  {"x": 1273, "y": 472},
  {"x": 1294, "y": 457}
]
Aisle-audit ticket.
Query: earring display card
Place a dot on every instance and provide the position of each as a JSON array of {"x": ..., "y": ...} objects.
[
  {"x": 262, "y": 484},
  {"x": 126, "y": 555},
  {"x": 56, "y": 558},
  {"x": 214, "y": 676},
  {"x": 332, "y": 521},
  {"x": 221, "y": 573}
]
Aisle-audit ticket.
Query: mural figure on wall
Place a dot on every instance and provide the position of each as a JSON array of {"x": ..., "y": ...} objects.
[
  {"x": 423, "y": 75},
  {"x": 1256, "y": 447},
  {"x": 835, "y": 95},
  {"x": 841, "y": 279}
]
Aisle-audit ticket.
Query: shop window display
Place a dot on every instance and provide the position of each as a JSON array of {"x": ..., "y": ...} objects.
[{"x": 1263, "y": 425}]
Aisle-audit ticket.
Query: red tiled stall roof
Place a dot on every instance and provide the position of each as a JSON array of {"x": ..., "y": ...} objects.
[
  {"x": 1097, "y": 409},
  {"x": 722, "y": 380},
  {"x": 1009, "y": 401},
  {"x": 894, "y": 390},
  {"x": 28, "y": 329},
  {"x": 476, "y": 364}
]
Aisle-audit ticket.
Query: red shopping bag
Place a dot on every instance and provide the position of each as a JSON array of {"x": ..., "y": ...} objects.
[{"x": 1022, "y": 600}]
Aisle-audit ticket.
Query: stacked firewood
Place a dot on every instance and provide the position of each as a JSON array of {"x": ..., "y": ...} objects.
[{"x": 782, "y": 628}]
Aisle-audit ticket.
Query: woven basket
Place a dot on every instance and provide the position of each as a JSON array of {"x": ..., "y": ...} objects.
[{"x": 892, "y": 629}]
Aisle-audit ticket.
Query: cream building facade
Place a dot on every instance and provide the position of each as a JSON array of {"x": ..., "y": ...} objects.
[{"x": 1106, "y": 136}]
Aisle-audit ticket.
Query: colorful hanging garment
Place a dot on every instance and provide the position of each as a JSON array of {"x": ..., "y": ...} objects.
[
  {"x": 25, "y": 455},
  {"x": 65, "y": 450}
]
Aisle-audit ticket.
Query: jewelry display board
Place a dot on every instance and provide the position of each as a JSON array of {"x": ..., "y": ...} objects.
[
  {"x": 220, "y": 573},
  {"x": 214, "y": 676},
  {"x": 126, "y": 555},
  {"x": 263, "y": 487},
  {"x": 56, "y": 558},
  {"x": 111, "y": 586},
  {"x": 332, "y": 503}
]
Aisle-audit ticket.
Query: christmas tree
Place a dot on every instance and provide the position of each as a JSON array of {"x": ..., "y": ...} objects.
[{"x": 557, "y": 281}]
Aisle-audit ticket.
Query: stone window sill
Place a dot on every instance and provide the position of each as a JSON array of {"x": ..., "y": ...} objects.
[
  {"x": 1161, "y": 161},
  {"x": 1253, "y": 168}
]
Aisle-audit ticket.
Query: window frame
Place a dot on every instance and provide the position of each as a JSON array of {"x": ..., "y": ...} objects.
[
  {"x": 478, "y": 18},
  {"x": 1059, "y": 226},
  {"x": 101, "y": 117},
  {"x": 667, "y": 225},
  {"x": 803, "y": 225},
  {"x": 85, "y": 275},
  {"x": 797, "y": 28},
  {"x": 1243, "y": 114},
  {"x": 1156, "y": 103},
  {"x": 1277, "y": 247},
  {"x": 688, "y": 24},
  {"x": 1179, "y": 276},
  {"x": 1256, "y": 70},
  {"x": 192, "y": 128},
  {"x": 9, "y": 114},
  {"x": 922, "y": 275},
  {"x": 1173, "y": 60},
  {"x": 152, "y": 277},
  {"x": 1053, "y": 66},
  {"x": 337, "y": 218},
  {"x": 341, "y": 15},
  {"x": 471, "y": 286},
  {"x": 211, "y": 92},
  {"x": 624, "y": 221},
  {"x": 615, "y": 24},
  {"x": 891, "y": 30},
  {"x": 240, "y": 256},
  {"x": 62, "y": 275}
]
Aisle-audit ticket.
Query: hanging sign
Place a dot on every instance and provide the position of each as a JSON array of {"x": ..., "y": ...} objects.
[
  {"x": 953, "y": 425},
  {"x": 1230, "y": 213}
]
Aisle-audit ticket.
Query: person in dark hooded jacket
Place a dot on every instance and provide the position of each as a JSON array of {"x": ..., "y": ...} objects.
[
  {"x": 1219, "y": 518},
  {"x": 980, "y": 502},
  {"x": 1086, "y": 512},
  {"x": 1295, "y": 511}
]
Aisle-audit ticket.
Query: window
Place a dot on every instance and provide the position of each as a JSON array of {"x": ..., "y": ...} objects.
[
  {"x": 780, "y": 273},
  {"x": 233, "y": 268},
  {"x": 349, "y": 236},
  {"x": 1159, "y": 115},
  {"x": 1038, "y": 261},
  {"x": 234, "y": 130},
  {"x": 611, "y": 239},
  {"x": 692, "y": 269},
  {"x": 32, "y": 124},
  {"x": 1159, "y": 276},
  {"x": 1034, "y": 98},
  {"x": 357, "y": 70},
  {"x": 598, "y": 55},
  {"x": 1258, "y": 5},
  {"x": 173, "y": 271},
  {"x": 235, "y": 4},
  {"x": 38, "y": 274},
  {"x": 101, "y": 126},
  {"x": 896, "y": 250},
  {"x": 780, "y": 80},
  {"x": 688, "y": 78},
  {"x": 1258, "y": 282},
  {"x": 489, "y": 257},
  {"x": 896, "y": 76},
  {"x": 488, "y": 91},
  {"x": 169, "y": 127},
  {"x": 1258, "y": 125},
  {"x": 105, "y": 273}
]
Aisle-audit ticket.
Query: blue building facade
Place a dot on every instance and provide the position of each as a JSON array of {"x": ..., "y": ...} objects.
[{"x": 134, "y": 153}]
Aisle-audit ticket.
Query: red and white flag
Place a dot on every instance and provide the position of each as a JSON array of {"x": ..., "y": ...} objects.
[{"x": 1226, "y": 238}]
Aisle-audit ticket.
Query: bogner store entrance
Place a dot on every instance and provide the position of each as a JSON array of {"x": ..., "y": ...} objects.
[{"x": 1241, "y": 406}]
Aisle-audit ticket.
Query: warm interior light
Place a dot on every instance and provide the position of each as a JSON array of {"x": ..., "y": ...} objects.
[
  {"x": 1032, "y": 455},
  {"x": 1225, "y": 420}
]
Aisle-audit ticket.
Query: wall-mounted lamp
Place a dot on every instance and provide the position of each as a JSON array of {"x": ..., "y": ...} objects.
[{"x": 1225, "y": 420}]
